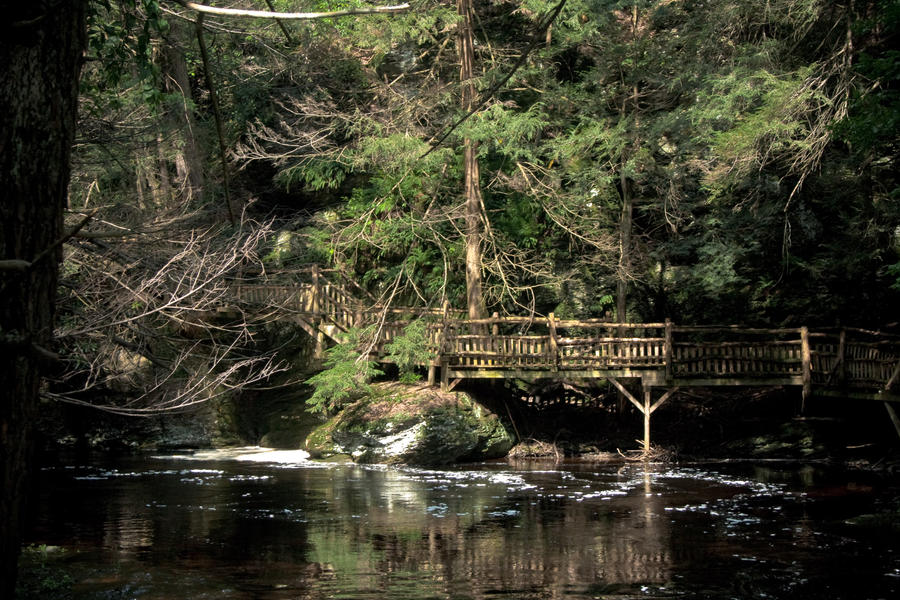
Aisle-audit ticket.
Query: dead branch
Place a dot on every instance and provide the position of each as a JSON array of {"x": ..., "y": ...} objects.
[{"x": 292, "y": 16}]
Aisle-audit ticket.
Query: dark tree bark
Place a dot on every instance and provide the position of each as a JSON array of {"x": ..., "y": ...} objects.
[
  {"x": 41, "y": 45},
  {"x": 182, "y": 124},
  {"x": 625, "y": 227},
  {"x": 472, "y": 183}
]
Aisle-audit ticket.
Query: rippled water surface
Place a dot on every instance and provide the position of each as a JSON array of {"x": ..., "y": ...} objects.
[{"x": 268, "y": 525}]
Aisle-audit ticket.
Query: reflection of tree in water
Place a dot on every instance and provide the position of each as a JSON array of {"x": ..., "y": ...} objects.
[
  {"x": 363, "y": 533},
  {"x": 513, "y": 541}
]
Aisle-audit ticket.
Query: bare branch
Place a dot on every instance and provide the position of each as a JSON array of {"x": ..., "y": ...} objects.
[
  {"x": 14, "y": 264},
  {"x": 264, "y": 14}
]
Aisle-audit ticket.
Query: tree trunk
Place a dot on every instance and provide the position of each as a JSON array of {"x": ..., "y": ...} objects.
[
  {"x": 217, "y": 114},
  {"x": 624, "y": 249},
  {"x": 162, "y": 167},
  {"x": 188, "y": 158},
  {"x": 625, "y": 221},
  {"x": 41, "y": 46},
  {"x": 624, "y": 268},
  {"x": 148, "y": 168},
  {"x": 472, "y": 177}
]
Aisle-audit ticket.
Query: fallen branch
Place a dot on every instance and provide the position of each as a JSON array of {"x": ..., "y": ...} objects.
[{"x": 265, "y": 14}]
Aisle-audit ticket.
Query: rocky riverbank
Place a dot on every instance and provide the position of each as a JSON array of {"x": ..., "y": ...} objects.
[
  {"x": 412, "y": 425},
  {"x": 416, "y": 424}
]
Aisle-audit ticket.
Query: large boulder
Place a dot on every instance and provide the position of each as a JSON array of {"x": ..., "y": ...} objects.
[{"x": 418, "y": 425}]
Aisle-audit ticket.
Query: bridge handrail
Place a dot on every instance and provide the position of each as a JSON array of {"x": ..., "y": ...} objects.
[{"x": 833, "y": 356}]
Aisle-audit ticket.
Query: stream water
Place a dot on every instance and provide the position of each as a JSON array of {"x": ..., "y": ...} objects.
[{"x": 248, "y": 524}]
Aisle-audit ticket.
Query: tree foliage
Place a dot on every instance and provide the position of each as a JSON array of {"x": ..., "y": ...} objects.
[
  {"x": 704, "y": 162},
  {"x": 346, "y": 374}
]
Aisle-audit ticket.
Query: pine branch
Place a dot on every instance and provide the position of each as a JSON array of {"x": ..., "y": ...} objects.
[{"x": 539, "y": 36}]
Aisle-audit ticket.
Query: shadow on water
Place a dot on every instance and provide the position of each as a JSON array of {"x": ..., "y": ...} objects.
[{"x": 214, "y": 526}]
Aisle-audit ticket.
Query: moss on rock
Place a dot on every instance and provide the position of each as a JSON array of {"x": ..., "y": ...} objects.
[{"x": 412, "y": 425}]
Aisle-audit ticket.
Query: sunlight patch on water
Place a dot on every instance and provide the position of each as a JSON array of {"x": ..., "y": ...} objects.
[
  {"x": 256, "y": 454},
  {"x": 463, "y": 479},
  {"x": 105, "y": 474},
  {"x": 282, "y": 457}
]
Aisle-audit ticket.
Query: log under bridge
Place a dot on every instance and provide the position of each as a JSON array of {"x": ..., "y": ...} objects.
[{"x": 647, "y": 362}]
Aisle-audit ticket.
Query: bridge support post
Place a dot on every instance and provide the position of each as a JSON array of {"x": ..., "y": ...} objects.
[
  {"x": 319, "y": 350},
  {"x": 439, "y": 359},
  {"x": 646, "y": 408},
  {"x": 806, "y": 369},
  {"x": 647, "y": 412},
  {"x": 893, "y": 415},
  {"x": 892, "y": 382},
  {"x": 432, "y": 370},
  {"x": 667, "y": 351}
]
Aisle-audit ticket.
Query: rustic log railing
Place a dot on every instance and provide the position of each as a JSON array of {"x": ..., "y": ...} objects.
[
  {"x": 704, "y": 355},
  {"x": 847, "y": 362}
]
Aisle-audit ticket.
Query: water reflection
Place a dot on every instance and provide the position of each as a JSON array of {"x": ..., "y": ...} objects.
[{"x": 175, "y": 528}]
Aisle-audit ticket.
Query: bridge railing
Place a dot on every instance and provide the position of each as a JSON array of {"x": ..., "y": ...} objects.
[
  {"x": 739, "y": 353},
  {"x": 854, "y": 358},
  {"x": 553, "y": 344},
  {"x": 846, "y": 357},
  {"x": 293, "y": 297}
]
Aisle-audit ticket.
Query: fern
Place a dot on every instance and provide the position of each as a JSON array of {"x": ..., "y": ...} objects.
[
  {"x": 410, "y": 349},
  {"x": 346, "y": 375}
]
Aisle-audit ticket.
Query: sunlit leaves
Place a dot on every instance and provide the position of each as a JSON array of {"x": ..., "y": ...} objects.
[
  {"x": 314, "y": 174},
  {"x": 346, "y": 375},
  {"x": 754, "y": 118},
  {"x": 507, "y": 130}
]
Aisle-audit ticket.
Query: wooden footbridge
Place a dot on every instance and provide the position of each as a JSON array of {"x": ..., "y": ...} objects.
[{"x": 657, "y": 359}]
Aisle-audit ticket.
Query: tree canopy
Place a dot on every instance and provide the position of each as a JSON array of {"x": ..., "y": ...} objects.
[{"x": 724, "y": 162}]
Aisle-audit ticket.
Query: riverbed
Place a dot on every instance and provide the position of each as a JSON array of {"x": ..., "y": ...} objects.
[{"x": 249, "y": 523}]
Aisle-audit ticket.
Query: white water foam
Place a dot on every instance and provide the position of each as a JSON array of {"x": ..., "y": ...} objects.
[{"x": 256, "y": 454}]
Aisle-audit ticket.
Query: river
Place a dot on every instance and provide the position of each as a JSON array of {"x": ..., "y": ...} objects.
[{"x": 248, "y": 524}]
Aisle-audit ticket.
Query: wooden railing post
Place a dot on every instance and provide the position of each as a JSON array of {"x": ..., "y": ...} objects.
[
  {"x": 315, "y": 290},
  {"x": 554, "y": 347},
  {"x": 438, "y": 360},
  {"x": 494, "y": 346},
  {"x": 806, "y": 372},
  {"x": 667, "y": 351},
  {"x": 445, "y": 319},
  {"x": 842, "y": 365}
]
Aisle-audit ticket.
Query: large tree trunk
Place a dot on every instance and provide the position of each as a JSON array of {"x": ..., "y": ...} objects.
[
  {"x": 472, "y": 177},
  {"x": 41, "y": 46},
  {"x": 181, "y": 120},
  {"x": 625, "y": 226},
  {"x": 624, "y": 268},
  {"x": 625, "y": 221}
]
